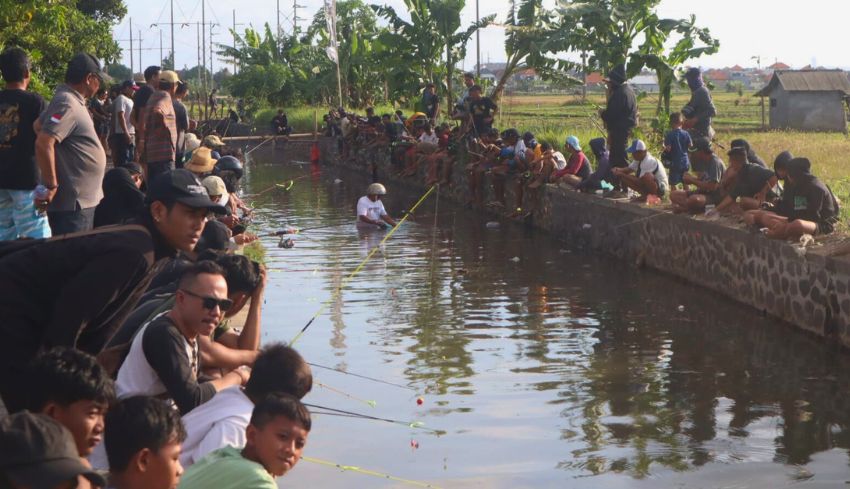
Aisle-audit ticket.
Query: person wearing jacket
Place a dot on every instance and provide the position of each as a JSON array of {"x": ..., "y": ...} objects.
[
  {"x": 620, "y": 115},
  {"x": 76, "y": 290},
  {"x": 700, "y": 109},
  {"x": 122, "y": 199},
  {"x": 807, "y": 206}
]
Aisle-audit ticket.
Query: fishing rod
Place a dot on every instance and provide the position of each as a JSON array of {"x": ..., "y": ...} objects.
[
  {"x": 357, "y": 270},
  {"x": 360, "y": 376},
  {"x": 417, "y": 425},
  {"x": 373, "y": 473},
  {"x": 269, "y": 138},
  {"x": 346, "y": 394}
]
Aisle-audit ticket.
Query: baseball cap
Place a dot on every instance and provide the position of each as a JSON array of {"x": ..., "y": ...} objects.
[
  {"x": 82, "y": 64},
  {"x": 737, "y": 147},
  {"x": 129, "y": 84},
  {"x": 574, "y": 143},
  {"x": 213, "y": 140},
  {"x": 169, "y": 76},
  {"x": 37, "y": 451},
  {"x": 701, "y": 144},
  {"x": 214, "y": 185},
  {"x": 181, "y": 186},
  {"x": 191, "y": 142},
  {"x": 637, "y": 145},
  {"x": 215, "y": 236}
]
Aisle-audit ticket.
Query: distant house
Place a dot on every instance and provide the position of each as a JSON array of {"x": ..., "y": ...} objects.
[
  {"x": 779, "y": 66},
  {"x": 811, "y": 100},
  {"x": 646, "y": 82}
]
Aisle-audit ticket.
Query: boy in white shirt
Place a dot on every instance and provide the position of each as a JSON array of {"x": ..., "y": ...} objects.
[{"x": 645, "y": 175}]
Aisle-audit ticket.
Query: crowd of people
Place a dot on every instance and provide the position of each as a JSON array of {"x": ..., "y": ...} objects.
[
  {"x": 133, "y": 350},
  {"x": 784, "y": 202}
]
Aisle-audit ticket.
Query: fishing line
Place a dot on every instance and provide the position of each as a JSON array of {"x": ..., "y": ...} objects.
[
  {"x": 346, "y": 394},
  {"x": 641, "y": 219},
  {"x": 358, "y": 470},
  {"x": 360, "y": 376},
  {"x": 417, "y": 425},
  {"x": 296, "y": 230},
  {"x": 357, "y": 270}
]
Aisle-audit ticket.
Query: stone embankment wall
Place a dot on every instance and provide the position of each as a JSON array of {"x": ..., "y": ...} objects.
[{"x": 806, "y": 288}]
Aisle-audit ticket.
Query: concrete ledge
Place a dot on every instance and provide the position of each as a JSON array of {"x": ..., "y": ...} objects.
[{"x": 808, "y": 288}]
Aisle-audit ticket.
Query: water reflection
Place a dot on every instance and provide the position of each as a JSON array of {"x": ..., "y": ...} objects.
[{"x": 545, "y": 364}]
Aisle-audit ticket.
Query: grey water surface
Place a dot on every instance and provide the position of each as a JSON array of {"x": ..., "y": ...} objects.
[{"x": 539, "y": 365}]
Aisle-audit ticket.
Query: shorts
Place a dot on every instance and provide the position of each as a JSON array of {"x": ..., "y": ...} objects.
[
  {"x": 826, "y": 227},
  {"x": 675, "y": 177},
  {"x": 710, "y": 199}
]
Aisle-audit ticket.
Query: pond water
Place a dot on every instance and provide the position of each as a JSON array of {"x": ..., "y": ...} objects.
[{"x": 538, "y": 365}]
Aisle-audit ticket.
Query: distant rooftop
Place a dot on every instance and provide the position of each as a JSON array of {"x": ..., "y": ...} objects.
[{"x": 808, "y": 81}]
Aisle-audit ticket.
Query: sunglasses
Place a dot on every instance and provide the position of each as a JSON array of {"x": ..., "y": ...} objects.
[{"x": 210, "y": 303}]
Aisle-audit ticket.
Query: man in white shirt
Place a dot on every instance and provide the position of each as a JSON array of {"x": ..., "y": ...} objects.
[
  {"x": 370, "y": 209},
  {"x": 645, "y": 175},
  {"x": 222, "y": 421},
  {"x": 123, "y": 138}
]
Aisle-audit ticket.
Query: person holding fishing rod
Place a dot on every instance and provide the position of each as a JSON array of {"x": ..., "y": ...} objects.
[
  {"x": 620, "y": 115},
  {"x": 370, "y": 209}
]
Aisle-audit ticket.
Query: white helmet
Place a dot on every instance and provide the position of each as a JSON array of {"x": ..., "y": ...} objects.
[{"x": 376, "y": 189}]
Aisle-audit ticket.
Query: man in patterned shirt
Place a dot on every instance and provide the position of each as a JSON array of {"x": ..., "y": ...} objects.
[{"x": 160, "y": 141}]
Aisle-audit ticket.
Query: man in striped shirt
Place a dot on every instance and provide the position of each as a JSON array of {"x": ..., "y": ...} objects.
[{"x": 160, "y": 139}]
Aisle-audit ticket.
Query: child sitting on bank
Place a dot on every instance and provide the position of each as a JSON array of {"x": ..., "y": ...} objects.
[
  {"x": 539, "y": 170},
  {"x": 675, "y": 155},
  {"x": 440, "y": 162},
  {"x": 484, "y": 155},
  {"x": 72, "y": 388},
  {"x": 513, "y": 159},
  {"x": 577, "y": 169},
  {"x": 275, "y": 438}
]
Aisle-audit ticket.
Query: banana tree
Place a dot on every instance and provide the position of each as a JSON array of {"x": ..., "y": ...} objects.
[
  {"x": 532, "y": 37},
  {"x": 415, "y": 48}
]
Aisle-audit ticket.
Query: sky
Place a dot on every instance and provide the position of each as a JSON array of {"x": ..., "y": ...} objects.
[{"x": 805, "y": 33}]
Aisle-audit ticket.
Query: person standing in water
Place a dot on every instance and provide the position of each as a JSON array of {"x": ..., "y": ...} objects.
[{"x": 370, "y": 209}]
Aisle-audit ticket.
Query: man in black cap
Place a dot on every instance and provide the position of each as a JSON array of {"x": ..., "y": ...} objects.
[
  {"x": 807, "y": 206},
  {"x": 68, "y": 150},
  {"x": 700, "y": 109},
  {"x": 122, "y": 198},
  {"x": 620, "y": 115},
  {"x": 38, "y": 452},
  {"x": 752, "y": 184},
  {"x": 76, "y": 290}
]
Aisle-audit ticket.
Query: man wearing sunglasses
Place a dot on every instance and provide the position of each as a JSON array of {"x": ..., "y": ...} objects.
[
  {"x": 164, "y": 358},
  {"x": 68, "y": 150}
]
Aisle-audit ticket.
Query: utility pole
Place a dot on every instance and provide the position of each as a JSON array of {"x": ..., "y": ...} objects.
[
  {"x": 161, "y": 53},
  {"x": 204, "y": 58},
  {"x": 477, "y": 43},
  {"x": 141, "y": 69},
  {"x": 173, "y": 54},
  {"x": 234, "y": 40},
  {"x": 132, "y": 65},
  {"x": 295, "y": 8},
  {"x": 278, "y": 18}
]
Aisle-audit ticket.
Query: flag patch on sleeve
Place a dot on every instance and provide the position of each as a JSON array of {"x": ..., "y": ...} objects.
[{"x": 56, "y": 118}]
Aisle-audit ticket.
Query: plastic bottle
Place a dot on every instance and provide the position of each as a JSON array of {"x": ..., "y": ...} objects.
[{"x": 41, "y": 193}]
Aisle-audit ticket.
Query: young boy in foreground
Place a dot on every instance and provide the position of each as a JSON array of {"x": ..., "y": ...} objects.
[
  {"x": 144, "y": 436},
  {"x": 275, "y": 441},
  {"x": 72, "y": 388}
]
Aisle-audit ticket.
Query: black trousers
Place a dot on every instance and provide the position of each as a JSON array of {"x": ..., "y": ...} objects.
[{"x": 618, "y": 141}]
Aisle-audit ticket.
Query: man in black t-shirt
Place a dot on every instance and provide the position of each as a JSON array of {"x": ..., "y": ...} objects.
[
  {"x": 431, "y": 103},
  {"x": 140, "y": 102},
  {"x": 482, "y": 109},
  {"x": 18, "y": 171}
]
